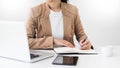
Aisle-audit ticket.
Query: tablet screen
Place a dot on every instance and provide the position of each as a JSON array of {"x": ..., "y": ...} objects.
[{"x": 65, "y": 60}]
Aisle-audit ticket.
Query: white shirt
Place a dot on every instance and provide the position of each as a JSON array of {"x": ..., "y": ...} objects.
[{"x": 56, "y": 21}]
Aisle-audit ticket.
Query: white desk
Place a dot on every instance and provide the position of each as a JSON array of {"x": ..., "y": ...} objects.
[{"x": 85, "y": 61}]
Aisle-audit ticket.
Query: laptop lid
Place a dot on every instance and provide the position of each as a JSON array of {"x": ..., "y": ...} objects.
[{"x": 13, "y": 41}]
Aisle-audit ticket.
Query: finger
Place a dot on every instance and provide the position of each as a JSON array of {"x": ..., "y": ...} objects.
[
  {"x": 81, "y": 42},
  {"x": 70, "y": 45},
  {"x": 86, "y": 47},
  {"x": 85, "y": 43}
]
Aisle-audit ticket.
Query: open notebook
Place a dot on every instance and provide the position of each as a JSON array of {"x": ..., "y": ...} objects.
[{"x": 68, "y": 50}]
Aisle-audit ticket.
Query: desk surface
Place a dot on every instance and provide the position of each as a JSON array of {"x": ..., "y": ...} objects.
[{"x": 85, "y": 61}]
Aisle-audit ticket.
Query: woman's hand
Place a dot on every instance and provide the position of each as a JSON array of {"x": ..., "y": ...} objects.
[
  {"x": 63, "y": 43},
  {"x": 85, "y": 44}
]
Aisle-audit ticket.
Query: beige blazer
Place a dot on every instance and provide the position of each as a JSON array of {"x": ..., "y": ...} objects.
[{"x": 39, "y": 29}]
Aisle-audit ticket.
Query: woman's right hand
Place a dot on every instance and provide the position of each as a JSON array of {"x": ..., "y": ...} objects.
[{"x": 63, "y": 43}]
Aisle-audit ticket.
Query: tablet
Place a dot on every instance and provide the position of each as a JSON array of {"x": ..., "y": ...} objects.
[{"x": 65, "y": 60}]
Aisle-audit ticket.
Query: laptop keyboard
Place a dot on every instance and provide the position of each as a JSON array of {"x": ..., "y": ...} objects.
[{"x": 33, "y": 56}]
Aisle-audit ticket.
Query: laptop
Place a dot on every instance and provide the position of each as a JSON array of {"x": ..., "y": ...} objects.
[{"x": 14, "y": 43}]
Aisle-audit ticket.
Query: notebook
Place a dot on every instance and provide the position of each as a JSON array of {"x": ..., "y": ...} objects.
[{"x": 68, "y": 50}]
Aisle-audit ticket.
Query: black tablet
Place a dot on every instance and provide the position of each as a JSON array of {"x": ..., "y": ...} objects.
[{"x": 65, "y": 60}]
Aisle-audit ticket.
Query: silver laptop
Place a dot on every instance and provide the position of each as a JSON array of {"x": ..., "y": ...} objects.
[{"x": 14, "y": 43}]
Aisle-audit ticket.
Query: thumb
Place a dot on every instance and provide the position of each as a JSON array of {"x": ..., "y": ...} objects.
[{"x": 82, "y": 42}]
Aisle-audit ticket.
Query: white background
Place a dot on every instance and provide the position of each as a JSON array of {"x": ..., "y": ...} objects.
[{"x": 100, "y": 18}]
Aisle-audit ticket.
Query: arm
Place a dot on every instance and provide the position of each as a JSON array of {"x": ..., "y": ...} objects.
[
  {"x": 79, "y": 31},
  {"x": 34, "y": 42},
  {"x": 80, "y": 34}
]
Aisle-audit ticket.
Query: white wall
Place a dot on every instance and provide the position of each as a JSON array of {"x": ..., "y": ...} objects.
[
  {"x": 16, "y": 9},
  {"x": 100, "y": 18}
]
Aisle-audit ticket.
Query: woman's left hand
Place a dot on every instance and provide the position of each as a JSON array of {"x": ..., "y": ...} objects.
[{"x": 85, "y": 45}]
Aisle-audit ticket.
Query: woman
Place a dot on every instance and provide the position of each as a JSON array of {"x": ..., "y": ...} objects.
[{"x": 54, "y": 23}]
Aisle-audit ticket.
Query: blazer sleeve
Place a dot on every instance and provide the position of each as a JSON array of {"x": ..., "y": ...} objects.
[
  {"x": 45, "y": 42},
  {"x": 79, "y": 31}
]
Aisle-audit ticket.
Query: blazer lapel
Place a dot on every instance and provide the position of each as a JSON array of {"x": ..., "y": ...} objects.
[
  {"x": 67, "y": 22},
  {"x": 47, "y": 27},
  {"x": 67, "y": 26}
]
